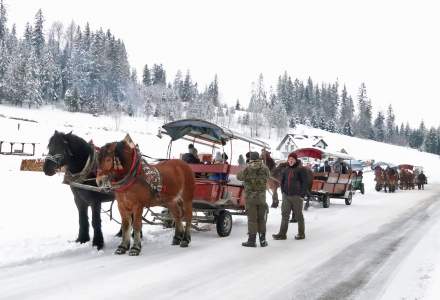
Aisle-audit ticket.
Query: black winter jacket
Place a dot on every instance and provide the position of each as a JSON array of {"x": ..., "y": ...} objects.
[{"x": 294, "y": 181}]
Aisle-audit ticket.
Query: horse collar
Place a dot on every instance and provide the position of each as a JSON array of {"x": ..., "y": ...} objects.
[{"x": 89, "y": 167}]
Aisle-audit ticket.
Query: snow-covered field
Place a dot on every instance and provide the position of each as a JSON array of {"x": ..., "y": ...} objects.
[{"x": 383, "y": 246}]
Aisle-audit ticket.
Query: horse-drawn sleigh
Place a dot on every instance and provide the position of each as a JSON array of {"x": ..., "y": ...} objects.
[
  {"x": 327, "y": 185},
  {"x": 122, "y": 173},
  {"x": 216, "y": 198}
]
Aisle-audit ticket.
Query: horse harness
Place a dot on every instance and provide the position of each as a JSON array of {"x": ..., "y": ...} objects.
[
  {"x": 89, "y": 168},
  {"x": 140, "y": 169}
]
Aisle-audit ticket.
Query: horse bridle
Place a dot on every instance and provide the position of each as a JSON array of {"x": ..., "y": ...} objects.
[{"x": 58, "y": 158}]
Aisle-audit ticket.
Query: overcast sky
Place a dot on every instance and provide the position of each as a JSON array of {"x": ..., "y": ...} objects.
[{"x": 392, "y": 46}]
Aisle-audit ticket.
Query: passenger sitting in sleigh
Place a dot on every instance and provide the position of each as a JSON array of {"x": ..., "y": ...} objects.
[{"x": 219, "y": 159}]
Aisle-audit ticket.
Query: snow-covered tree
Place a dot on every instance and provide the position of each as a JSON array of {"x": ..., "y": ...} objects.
[
  {"x": 379, "y": 127},
  {"x": 256, "y": 106}
]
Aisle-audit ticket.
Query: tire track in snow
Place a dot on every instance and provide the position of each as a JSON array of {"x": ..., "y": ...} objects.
[{"x": 348, "y": 274}]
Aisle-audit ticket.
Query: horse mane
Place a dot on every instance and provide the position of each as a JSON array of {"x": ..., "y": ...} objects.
[{"x": 119, "y": 151}]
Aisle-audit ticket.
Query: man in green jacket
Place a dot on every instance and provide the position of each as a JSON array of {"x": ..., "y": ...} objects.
[{"x": 255, "y": 176}]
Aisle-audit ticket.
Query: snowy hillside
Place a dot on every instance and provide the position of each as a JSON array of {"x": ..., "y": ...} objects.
[
  {"x": 105, "y": 129},
  {"x": 383, "y": 246}
]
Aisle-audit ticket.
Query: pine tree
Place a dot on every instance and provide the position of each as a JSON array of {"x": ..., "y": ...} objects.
[
  {"x": 379, "y": 127},
  {"x": 347, "y": 129},
  {"x": 314, "y": 121},
  {"x": 38, "y": 34},
  {"x": 431, "y": 141},
  {"x": 146, "y": 76},
  {"x": 347, "y": 108},
  {"x": 322, "y": 123},
  {"x": 276, "y": 114},
  {"x": 159, "y": 75},
  {"x": 364, "y": 127},
  {"x": 213, "y": 92},
  {"x": 331, "y": 126},
  {"x": 188, "y": 88},
  {"x": 390, "y": 127},
  {"x": 237, "y": 105},
  {"x": 178, "y": 85},
  {"x": 257, "y": 104},
  {"x": 3, "y": 21}
]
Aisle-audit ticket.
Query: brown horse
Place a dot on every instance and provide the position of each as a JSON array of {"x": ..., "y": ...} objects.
[
  {"x": 137, "y": 185},
  {"x": 274, "y": 181},
  {"x": 379, "y": 177},
  {"x": 391, "y": 179},
  {"x": 406, "y": 179}
]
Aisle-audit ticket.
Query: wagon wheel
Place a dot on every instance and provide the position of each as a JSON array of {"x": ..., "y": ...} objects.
[
  {"x": 325, "y": 201},
  {"x": 224, "y": 223},
  {"x": 362, "y": 188},
  {"x": 349, "y": 199}
]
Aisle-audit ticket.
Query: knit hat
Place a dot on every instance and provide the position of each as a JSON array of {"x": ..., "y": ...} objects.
[{"x": 293, "y": 155}]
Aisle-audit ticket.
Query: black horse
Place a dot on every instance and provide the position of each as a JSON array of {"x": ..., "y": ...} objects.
[{"x": 78, "y": 158}]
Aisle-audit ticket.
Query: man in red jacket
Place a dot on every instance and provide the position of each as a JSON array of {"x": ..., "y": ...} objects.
[{"x": 293, "y": 187}]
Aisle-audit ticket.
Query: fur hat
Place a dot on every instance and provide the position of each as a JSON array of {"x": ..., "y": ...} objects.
[{"x": 254, "y": 156}]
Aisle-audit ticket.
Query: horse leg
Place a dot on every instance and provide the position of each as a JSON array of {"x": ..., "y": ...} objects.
[
  {"x": 83, "y": 234},
  {"x": 126, "y": 229},
  {"x": 98, "y": 239},
  {"x": 137, "y": 228},
  {"x": 187, "y": 206},
  {"x": 176, "y": 214},
  {"x": 275, "y": 200}
]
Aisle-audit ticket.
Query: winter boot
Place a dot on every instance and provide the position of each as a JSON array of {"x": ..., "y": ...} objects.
[
  {"x": 281, "y": 235},
  {"x": 263, "y": 242},
  {"x": 251, "y": 242},
  {"x": 300, "y": 237}
]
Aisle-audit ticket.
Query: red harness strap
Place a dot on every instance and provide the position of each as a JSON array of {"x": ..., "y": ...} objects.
[{"x": 132, "y": 171}]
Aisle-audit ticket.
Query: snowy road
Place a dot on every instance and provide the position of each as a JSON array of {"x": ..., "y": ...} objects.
[
  {"x": 361, "y": 270},
  {"x": 356, "y": 251}
]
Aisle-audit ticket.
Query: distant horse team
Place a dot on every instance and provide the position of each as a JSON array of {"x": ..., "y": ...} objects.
[{"x": 404, "y": 178}]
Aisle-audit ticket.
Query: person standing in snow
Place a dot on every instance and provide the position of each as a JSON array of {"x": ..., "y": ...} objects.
[
  {"x": 293, "y": 187},
  {"x": 255, "y": 176}
]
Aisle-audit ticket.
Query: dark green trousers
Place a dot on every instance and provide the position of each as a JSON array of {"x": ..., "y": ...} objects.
[
  {"x": 290, "y": 203},
  {"x": 256, "y": 209}
]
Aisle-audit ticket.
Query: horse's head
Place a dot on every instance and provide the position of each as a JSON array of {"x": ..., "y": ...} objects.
[
  {"x": 59, "y": 153},
  {"x": 112, "y": 160}
]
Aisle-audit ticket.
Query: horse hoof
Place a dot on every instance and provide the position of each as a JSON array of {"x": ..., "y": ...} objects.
[
  {"x": 82, "y": 240},
  {"x": 99, "y": 246},
  {"x": 176, "y": 241},
  {"x": 99, "y": 243},
  {"x": 184, "y": 244},
  {"x": 134, "y": 252},
  {"x": 121, "y": 250}
]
